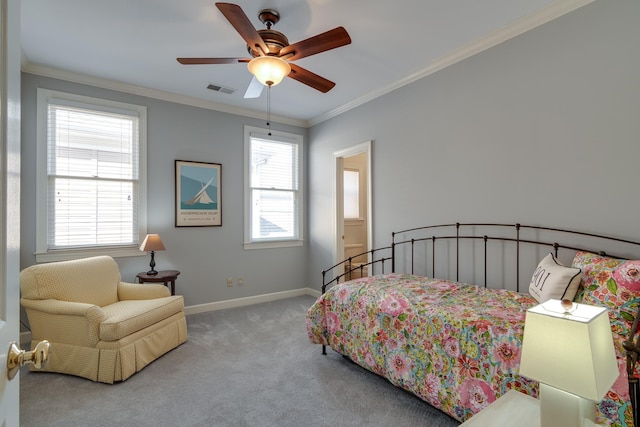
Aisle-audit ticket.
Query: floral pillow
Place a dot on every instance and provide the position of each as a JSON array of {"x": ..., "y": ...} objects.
[{"x": 613, "y": 283}]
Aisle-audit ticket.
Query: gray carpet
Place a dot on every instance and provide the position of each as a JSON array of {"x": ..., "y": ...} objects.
[{"x": 249, "y": 366}]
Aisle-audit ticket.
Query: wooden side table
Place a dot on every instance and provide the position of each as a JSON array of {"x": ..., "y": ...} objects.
[{"x": 164, "y": 276}]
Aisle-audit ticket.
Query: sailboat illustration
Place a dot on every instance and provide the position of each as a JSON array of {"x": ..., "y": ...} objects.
[{"x": 201, "y": 196}]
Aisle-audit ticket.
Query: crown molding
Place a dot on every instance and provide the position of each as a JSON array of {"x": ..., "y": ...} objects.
[
  {"x": 59, "y": 74},
  {"x": 494, "y": 38}
]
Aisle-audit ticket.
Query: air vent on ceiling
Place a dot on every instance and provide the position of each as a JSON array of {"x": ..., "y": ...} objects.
[{"x": 222, "y": 89}]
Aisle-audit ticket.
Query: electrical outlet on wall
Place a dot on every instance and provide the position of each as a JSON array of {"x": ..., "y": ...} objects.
[{"x": 229, "y": 282}]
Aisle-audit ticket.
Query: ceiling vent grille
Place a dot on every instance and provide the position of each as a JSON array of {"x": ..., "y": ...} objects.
[{"x": 222, "y": 89}]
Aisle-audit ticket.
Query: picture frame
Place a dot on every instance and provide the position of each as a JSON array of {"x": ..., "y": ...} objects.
[{"x": 198, "y": 201}]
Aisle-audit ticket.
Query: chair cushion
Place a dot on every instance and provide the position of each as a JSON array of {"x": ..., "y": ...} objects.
[
  {"x": 127, "y": 317},
  {"x": 90, "y": 280}
]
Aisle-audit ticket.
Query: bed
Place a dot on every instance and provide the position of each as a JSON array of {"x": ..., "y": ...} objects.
[{"x": 455, "y": 343}]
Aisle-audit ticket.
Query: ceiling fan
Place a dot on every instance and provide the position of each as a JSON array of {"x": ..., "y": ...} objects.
[{"x": 267, "y": 45}]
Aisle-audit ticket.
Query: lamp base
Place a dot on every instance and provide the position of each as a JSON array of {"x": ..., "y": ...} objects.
[
  {"x": 561, "y": 409},
  {"x": 152, "y": 264}
]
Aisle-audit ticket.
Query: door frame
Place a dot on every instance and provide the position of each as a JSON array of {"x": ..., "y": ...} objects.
[{"x": 338, "y": 214}]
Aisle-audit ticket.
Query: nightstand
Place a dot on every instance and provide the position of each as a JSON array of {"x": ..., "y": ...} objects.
[
  {"x": 511, "y": 409},
  {"x": 165, "y": 276}
]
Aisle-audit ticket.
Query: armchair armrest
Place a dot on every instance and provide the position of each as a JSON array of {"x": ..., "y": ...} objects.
[
  {"x": 64, "y": 321},
  {"x": 137, "y": 291}
]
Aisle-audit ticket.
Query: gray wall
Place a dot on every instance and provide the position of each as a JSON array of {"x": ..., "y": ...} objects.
[
  {"x": 543, "y": 129},
  {"x": 206, "y": 256}
]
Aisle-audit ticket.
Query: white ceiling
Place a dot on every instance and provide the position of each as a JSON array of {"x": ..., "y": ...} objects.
[{"x": 132, "y": 45}]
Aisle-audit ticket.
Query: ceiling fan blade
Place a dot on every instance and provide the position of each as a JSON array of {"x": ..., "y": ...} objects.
[
  {"x": 255, "y": 88},
  {"x": 243, "y": 26},
  {"x": 322, "y": 42},
  {"x": 310, "y": 79},
  {"x": 197, "y": 61}
]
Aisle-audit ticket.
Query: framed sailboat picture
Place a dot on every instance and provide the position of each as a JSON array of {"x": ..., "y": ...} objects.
[{"x": 198, "y": 201}]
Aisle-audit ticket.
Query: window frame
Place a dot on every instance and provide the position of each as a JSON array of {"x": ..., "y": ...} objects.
[
  {"x": 281, "y": 137},
  {"x": 43, "y": 252}
]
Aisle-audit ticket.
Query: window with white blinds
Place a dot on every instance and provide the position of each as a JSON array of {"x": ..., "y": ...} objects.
[
  {"x": 273, "y": 213},
  {"x": 94, "y": 174}
]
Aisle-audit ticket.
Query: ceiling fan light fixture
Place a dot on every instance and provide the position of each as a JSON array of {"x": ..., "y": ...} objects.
[{"x": 269, "y": 70}]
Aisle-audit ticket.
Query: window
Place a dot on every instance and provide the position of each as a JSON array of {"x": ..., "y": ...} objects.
[
  {"x": 91, "y": 177},
  {"x": 351, "y": 181},
  {"x": 273, "y": 189}
]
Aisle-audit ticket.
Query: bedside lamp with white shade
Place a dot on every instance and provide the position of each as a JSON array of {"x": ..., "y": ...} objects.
[{"x": 568, "y": 348}]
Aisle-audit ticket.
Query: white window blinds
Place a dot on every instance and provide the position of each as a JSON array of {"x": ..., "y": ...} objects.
[
  {"x": 274, "y": 190},
  {"x": 93, "y": 175}
]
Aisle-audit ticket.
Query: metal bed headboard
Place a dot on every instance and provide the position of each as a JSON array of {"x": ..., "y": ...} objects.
[
  {"x": 485, "y": 238},
  {"x": 380, "y": 258}
]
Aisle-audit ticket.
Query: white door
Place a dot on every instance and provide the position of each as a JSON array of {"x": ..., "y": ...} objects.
[
  {"x": 9, "y": 204},
  {"x": 365, "y": 149}
]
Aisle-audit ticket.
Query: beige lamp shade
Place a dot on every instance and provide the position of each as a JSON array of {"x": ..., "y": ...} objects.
[
  {"x": 571, "y": 350},
  {"x": 152, "y": 243},
  {"x": 269, "y": 70}
]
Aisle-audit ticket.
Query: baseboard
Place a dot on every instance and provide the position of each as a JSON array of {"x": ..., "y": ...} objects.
[
  {"x": 25, "y": 337},
  {"x": 240, "y": 302}
]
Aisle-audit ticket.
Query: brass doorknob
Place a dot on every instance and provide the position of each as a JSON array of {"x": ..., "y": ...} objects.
[{"x": 17, "y": 358}]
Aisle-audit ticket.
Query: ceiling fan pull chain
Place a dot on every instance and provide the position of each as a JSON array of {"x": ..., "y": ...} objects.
[{"x": 269, "y": 108}]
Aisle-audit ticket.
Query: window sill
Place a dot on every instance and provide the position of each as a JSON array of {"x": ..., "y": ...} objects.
[
  {"x": 65, "y": 255},
  {"x": 272, "y": 244}
]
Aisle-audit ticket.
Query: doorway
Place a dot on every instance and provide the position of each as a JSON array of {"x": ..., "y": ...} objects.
[{"x": 353, "y": 232}]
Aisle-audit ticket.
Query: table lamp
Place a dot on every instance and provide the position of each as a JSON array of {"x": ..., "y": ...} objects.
[
  {"x": 152, "y": 243},
  {"x": 568, "y": 348}
]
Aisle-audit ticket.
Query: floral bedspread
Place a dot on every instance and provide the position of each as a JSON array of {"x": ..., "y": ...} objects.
[{"x": 454, "y": 345}]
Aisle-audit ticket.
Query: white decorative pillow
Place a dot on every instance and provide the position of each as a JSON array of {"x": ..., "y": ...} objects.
[{"x": 552, "y": 280}]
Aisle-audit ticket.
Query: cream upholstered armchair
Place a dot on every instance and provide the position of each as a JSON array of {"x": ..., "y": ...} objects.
[{"x": 99, "y": 327}]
